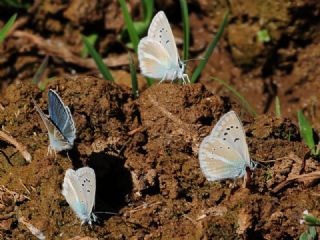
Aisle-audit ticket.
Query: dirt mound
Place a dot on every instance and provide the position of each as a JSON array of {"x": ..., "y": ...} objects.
[{"x": 144, "y": 153}]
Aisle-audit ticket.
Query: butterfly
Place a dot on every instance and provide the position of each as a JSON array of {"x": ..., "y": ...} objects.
[
  {"x": 59, "y": 123},
  {"x": 224, "y": 154},
  {"x": 79, "y": 189},
  {"x": 158, "y": 53}
]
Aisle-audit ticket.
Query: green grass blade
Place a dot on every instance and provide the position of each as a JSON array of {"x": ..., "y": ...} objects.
[
  {"x": 186, "y": 28},
  {"x": 243, "y": 101},
  {"x": 14, "y": 4},
  {"x": 92, "y": 40},
  {"x": 150, "y": 81},
  {"x": 148, "y": 8},
  {"x": 311, "y": 220},
  {"x": 4, "y": 31},
  {"x": 140, "y": 26},
  {"x": 128, "y": 20},
  {"x": 310, "y": 234},
  {"x": 39, "y": 75},
  {"x": 134, "y": 80},
  {"x": 98, "y": 60},
  {"x": 277, "y": 107},
  {"x": 131, "y": 29},
  {"x": 263, "y": 36},
  {"x": 306, "y": 131},
  {"x": 43, "y": 84},
  {"x": 210, "y": 49}
]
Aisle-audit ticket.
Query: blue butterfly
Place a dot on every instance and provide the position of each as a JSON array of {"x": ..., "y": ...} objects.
[{"x": 59, "y": 123}]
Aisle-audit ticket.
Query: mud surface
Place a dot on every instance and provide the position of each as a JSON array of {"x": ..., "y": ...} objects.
[{"x": 145, "y": 151}]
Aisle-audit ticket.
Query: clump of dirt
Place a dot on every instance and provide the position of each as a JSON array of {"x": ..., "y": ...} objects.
[
  {"x": 103, "y": 116},
  {"x": 144, "y": 153}
]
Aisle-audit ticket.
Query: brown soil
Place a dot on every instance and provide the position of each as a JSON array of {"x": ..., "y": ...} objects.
[{"x": 145, "y": 151}]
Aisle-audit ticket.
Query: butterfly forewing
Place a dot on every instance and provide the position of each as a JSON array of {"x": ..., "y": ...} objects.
[
  {"x": 229, "y": 129},
  {"x": 153, "y": 59},
  {"x": 219, "y": 160},
  {"x": 61, "y": 116},
  {"x": 160, "y": 31}
]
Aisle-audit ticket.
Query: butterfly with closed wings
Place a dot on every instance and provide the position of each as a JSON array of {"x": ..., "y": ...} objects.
[
  {"x": 59, "y": 123},
  {"x": 224, "y": 154},
  {"x": 158, "y": 53},
  {"x": 79, "y": 190}
]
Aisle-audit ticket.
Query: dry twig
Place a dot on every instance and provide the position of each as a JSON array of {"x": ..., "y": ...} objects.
[
  {"x": 21, "y": 148},
  {"x": 134, "y": 131}
]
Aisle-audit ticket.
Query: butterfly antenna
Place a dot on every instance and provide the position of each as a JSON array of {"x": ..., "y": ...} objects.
[
  {"x": 110, "y": 213},
  {"x": 192, "y": 59}
]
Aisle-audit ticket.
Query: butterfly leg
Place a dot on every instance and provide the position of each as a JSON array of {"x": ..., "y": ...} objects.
[
  {"x": 164, "y": 78},
  {"x": 183, "y": 80},
  {"x": 49, "y": 151},
  {"x": 187, "y": 77},
  {"x": 68, "y": 156}
]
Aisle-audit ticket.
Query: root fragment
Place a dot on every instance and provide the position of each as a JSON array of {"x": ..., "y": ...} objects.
[{"x": 308, "y": 177}]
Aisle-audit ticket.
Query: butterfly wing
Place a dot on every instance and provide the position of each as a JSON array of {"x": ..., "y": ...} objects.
[
  {"x": 87, "y": 179},
  {"x": 76, "y": 185},
  {"x": 61, "y": 116},
  {"x": 57, "y": 141},
  {"x": 161, "y": 32},
  {"x": 230, "y": 129},
  {"x": 154, "y": 60},
  {"x": 219, "y": 160}
]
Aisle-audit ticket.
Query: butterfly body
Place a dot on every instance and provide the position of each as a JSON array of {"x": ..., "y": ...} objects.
[
  {"x": 79, "y": 188},
  {"x": 224, "y": 154},
  {"x": 158, "y": 53},
  {"x": 59, "y": 123}
]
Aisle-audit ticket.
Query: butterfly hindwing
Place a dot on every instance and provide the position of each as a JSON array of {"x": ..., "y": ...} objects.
[
  {"x": 154, "y": 60},
  {"x": 160, "y": 31},
  {"x": 219, "y": 160}
]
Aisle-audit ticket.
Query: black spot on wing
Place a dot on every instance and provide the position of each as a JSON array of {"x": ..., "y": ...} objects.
[{"x": 236, "y": 139}]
